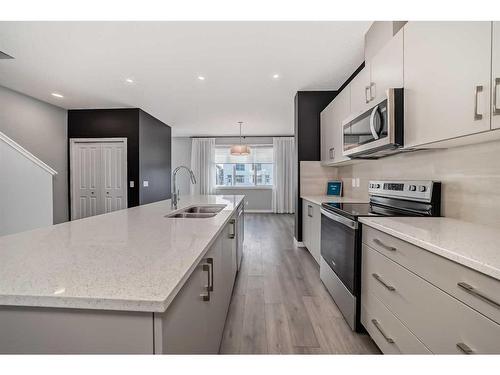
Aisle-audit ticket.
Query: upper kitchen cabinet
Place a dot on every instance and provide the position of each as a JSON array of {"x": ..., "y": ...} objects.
[
  {"x": 360, "y": 90},
  {"x": 495, "y": 83},
  {"x": 446, "y": 79},
  {"x": 386, "y": 69},
  {"x": 331, "y": 128}
]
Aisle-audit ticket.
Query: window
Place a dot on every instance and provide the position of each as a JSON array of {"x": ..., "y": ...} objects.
[{"x": 255, "y": 169}]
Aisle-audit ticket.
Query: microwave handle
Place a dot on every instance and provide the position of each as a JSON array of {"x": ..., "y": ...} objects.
[{"x": 372, "y": 122}]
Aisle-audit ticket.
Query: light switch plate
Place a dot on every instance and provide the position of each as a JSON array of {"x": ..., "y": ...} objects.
[{"x": 145, "y": 183}]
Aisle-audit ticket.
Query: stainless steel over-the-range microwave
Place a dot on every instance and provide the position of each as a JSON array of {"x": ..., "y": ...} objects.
[{"x": 377, "y": 132}]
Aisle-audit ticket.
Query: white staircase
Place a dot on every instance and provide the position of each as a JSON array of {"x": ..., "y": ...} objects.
[{"x": 25, "y": 189}]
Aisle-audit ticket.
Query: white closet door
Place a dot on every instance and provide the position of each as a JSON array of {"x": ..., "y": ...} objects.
[
  {"x": 114, "y": 173},
  {"x": 85, "y": 178},
  {"x": 98, "y": 176}
]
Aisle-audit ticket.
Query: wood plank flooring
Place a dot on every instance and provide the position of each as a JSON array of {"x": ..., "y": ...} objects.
[{"x": 279, "y": 305}]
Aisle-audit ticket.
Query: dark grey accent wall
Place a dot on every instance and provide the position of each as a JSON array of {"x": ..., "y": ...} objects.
[
  {"x": 110, "y": 123},
  {"x": 308, "y": 107},
  {"x": 40, "y": 128},
  {"x": 155, "y": 140},
  {"x": 148, "y": 147}
]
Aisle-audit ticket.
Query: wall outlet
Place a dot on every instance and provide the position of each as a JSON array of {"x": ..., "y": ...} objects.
[
  {"x": 353, "y": 181},
  {"x": 145, "y": 183},
  {"x": 357, "y": 182},
  {"x": 132, "y": 184}
]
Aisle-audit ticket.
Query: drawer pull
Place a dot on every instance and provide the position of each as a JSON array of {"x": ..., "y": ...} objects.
[
  {"x": 388, "y": 287},
  {"x": 380, "y": 243},
  {"x": 387, "y": 338},
  {"x": 464, "y": 348},
  {"x": 471, "y": 290}
]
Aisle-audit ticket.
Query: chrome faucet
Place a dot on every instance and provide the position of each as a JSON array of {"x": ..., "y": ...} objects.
[{"x": 175, "y": 192}]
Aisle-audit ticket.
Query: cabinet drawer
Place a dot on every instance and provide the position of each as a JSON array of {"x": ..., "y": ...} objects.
[
  {"x": 391, "y": 336},
  {"x": 443, "y": 273},
  {"x": 440, "y": 321}
]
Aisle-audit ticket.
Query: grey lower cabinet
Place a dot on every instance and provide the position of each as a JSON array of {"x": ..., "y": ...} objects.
[{"x": 192, "y": 324}]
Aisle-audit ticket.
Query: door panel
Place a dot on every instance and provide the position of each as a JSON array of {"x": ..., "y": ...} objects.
[
  {"x": 98, "y": 177},
  {"x": 444, "y": 65},
  {"x": 495, "y": 83},
  {"x": 114, "y": 186},
  {"x": 86, "y": 180},
  {"x": 360, "y": 86}
]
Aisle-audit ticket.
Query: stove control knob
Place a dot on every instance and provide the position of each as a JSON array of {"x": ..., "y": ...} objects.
[
  {"x": 413, "y": 188},
  {"x": 371, "y": 186},
  {"x": 378, "y": 186},
  {"x": 422, "y": 188}
]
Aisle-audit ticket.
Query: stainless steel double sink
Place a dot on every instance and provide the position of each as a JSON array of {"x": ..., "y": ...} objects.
[{"x": 197, "y": 212}]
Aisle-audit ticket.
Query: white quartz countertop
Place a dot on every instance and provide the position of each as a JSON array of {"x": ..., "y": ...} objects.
[
  {"x": 133, "y": 259},
  {"x": 472, "y": 245},
  {"x": 318, "y": 199}
]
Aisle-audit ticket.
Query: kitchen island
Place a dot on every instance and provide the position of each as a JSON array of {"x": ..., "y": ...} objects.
[{"x": 131, "y": 281}]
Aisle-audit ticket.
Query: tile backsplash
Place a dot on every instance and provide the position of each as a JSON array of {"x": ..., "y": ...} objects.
[
  {"x": 470, "y": 177},
  {"x": 313, "y": 177}
]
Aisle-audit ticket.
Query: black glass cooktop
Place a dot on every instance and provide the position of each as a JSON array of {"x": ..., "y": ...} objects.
[{"x": 352, "y": 210}]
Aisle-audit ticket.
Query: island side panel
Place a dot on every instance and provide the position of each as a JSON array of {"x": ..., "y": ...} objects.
[{"x": 33, "y": 330}]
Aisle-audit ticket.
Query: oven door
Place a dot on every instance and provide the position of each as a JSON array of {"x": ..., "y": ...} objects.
[{"x": 338, "y": 246}]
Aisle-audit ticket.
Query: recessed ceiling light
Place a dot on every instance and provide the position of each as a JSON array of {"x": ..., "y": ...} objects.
[
  {"x": 129, "y": 80},
  {"x": 276, "y": 76},
  {"x": 57, "y": 95},
  {"x": 201, "y": 78}
]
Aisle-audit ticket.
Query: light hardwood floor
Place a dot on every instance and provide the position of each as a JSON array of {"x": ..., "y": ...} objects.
[{"x": 279, "y": 304}]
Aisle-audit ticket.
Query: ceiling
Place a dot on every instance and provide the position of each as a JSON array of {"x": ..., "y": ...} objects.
[{"x": 88, "y": 63}]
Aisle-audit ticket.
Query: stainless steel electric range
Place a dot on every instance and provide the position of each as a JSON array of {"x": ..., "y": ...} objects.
[{"x": 340, "y": 265}]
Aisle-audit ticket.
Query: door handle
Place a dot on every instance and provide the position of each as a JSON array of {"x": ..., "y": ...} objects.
[
  {"x": 464, "y": 348},
  {"x": 477, "y": 116},
  {"x": 379, "y": 279},
  {"x": 471, "y": 290},
  {"x": 372, "y": 96},
  {"x": 367, "y": 94},
  {"x": 332, "y": 153},
  {"x": 206, "y": 296},
  {"x": 496, "y": 107},
  {"x": 232, "y": 233},
  {"x": 372, "y": 123},
  {"x": 210, "y": 262},
  {"x": 309, "y": 211},
  {"x": 380, "y": 243},
  {"x": 382, "y": 332}
]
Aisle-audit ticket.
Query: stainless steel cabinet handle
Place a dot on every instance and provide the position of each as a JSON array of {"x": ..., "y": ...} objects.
[
  {"x": 372, "y": 95},
  {"x": 332, "y": 153},
  {"x": 309, "y": 211},
  {"x": 471, "y": 290},
  {"x": 496, "y": 107},
  {"x": 210, "y": 261},
  {"x": 367, "y": 94},
  {"x": 387, "y": 286},
  {"x": 387, "y": 247},
  {"x": 377, "y": 325},
  {"x": 477, "y": 116},
  {"x": 464, "y": 348},
  {"x": 232, "y": 233},
  {"x": 206, "y": 296}
]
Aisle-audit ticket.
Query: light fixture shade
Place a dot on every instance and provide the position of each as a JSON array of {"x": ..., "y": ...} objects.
[{"x": 240, "y": 150}]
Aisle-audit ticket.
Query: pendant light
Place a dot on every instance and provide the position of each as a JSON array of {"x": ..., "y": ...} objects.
[{"x": 240, "y": 149}]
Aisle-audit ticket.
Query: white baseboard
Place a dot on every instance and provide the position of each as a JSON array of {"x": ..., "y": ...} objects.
[
  {"x": 297, "y": 243},
  {"x": 258, "y": 211}
]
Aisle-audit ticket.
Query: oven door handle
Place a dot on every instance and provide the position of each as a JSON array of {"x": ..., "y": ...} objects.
[{"x": 340, "y": 219}]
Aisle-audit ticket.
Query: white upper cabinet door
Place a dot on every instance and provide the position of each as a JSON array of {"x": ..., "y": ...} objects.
[
  {"x": 495, "y": 105},
  {"x": 447, "y": 73},
  {"x": 387, "y": 69},
  {"x": 326, "y": 134},
  {"x": 360, "y": 91},
  {"x": 341, "y": 110}
]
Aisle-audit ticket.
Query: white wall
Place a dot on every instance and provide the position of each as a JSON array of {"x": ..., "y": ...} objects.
[
  {"x": 181, "y": 155},
  {"x": 26, "y": 193},
  {"x": 257, "y": 199},
  {"x": 40, "y": 128}
]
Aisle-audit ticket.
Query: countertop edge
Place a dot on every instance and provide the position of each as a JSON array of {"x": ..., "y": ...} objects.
[{"x": 463, "y": 260}]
